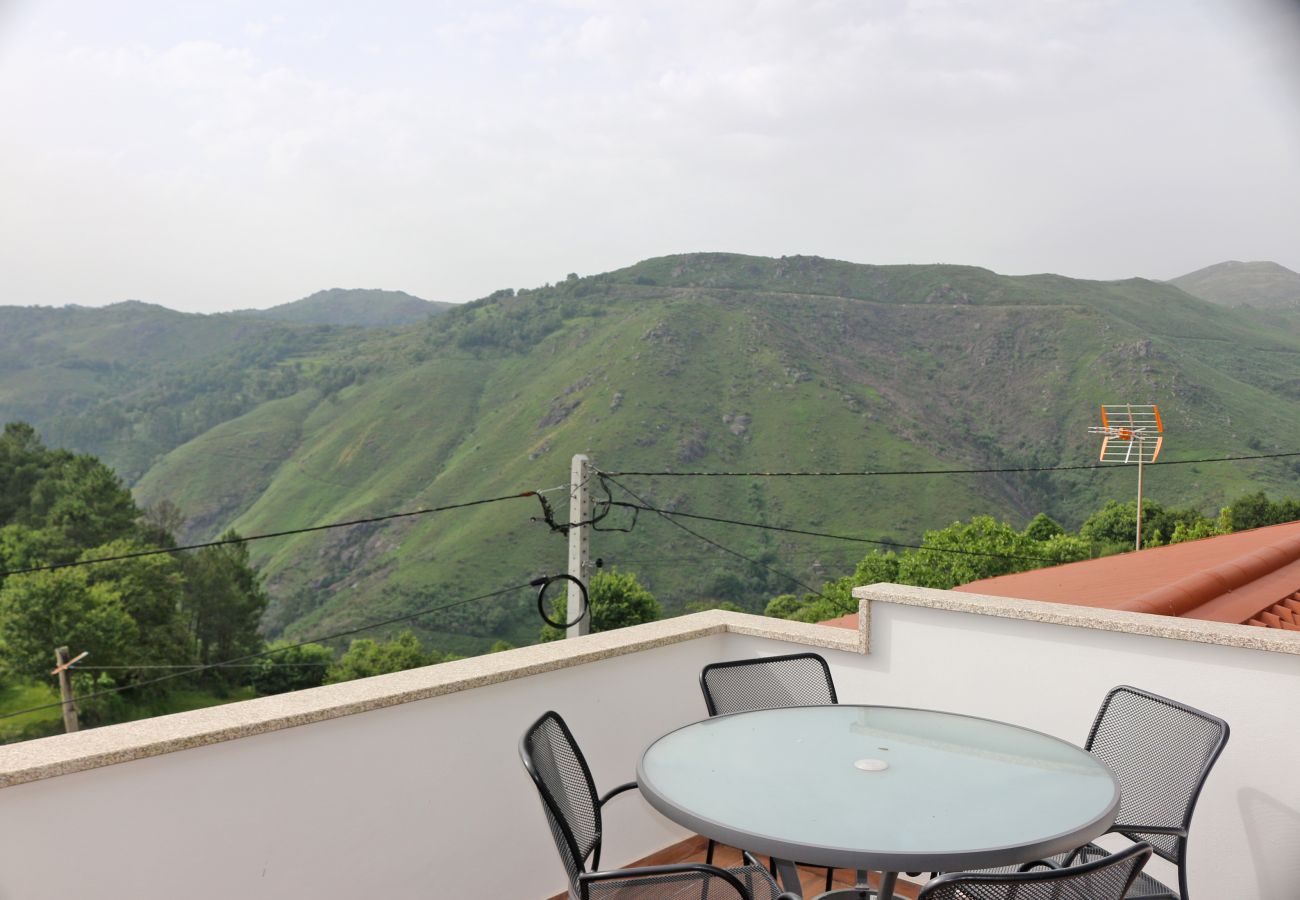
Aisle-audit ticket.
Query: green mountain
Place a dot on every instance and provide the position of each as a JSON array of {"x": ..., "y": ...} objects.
[
  {"x": 132, "y": 381},
  {"x": 1262, "y": 285},
  {"x": 366, "y": 308},
  {"x": 707, "y": 362}
]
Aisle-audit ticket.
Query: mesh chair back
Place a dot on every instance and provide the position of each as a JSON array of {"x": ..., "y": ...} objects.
[
  {"x": 1161, "y": 751},
  {"x": 769, "y": 682},
  {"x": 568, "y": 793},
  {"x": 1106, "y": 879}
]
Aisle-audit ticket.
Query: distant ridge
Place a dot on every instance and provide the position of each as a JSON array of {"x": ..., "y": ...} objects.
[
  {"x": 1262, "y": 285},
  {"x": 703, "y": 362},
  {"x": 353, "y": 306}
]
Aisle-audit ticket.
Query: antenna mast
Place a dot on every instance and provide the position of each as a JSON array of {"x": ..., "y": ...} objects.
[{"x": 1132, "y": 433}]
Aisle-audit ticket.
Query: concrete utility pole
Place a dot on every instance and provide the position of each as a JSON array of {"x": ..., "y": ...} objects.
[
  {"x": 579, "y": 542},
  {"x": 65, "y": 688}
]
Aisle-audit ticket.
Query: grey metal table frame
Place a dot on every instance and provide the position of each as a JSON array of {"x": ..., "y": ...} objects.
[{"x": 954, "y": 792}]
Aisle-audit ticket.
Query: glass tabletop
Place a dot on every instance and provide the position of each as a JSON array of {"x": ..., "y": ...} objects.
[{"x": 876, "y": 787}]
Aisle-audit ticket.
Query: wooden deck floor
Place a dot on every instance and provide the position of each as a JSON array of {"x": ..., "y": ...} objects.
[{"x": 813, "y": 879}]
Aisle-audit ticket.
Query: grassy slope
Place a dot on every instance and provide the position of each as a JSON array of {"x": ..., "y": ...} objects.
[
  {"x": 131, "y": 381},
  {"x": 836, "y": 367},
  {"x": 1263, "y": 285}
]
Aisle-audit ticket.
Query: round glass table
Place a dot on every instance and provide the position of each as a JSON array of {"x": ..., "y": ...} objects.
[{"x": 879, "y": 788}]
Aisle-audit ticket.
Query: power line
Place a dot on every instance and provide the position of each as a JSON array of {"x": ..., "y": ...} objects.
[
  {"x": 666, "y": 516},
  {"x": 274, "y": 534},
  {"x": 194, "y": 670},
  {"x": 1001, "y": 471},
  {"x": 825, "y": 534},
  {"x": 611, "y": 560}
]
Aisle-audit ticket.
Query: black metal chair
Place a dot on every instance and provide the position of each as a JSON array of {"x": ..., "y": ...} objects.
[
  {"x": 1108, "y": 878},
  {"x": 1161, "y": 751},
  {"x": 573, "y": 810},
  {"x": 768, "y": 682}
]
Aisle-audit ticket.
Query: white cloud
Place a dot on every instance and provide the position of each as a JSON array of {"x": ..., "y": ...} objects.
[{"x": 449, "y": 150}]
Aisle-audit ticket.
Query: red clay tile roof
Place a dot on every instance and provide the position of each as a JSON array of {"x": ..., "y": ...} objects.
[
  {"x": 1285, "y": 614},
  {"x": 1244, "y": 577}
]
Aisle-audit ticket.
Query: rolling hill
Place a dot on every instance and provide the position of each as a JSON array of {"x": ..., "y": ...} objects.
[
  {"x": 707, "y": 362},
  {"x": 1261, "y": 285},
  {"x": 365, "y": 308}
]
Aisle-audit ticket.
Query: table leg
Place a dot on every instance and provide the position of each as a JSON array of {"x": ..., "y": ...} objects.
[
  {"x": 861, "y": 889},
  {"x": 887, "y": 880},
  {"x": 789, "y": 874}
]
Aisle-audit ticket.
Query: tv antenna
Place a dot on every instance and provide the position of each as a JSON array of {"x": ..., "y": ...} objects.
[{"x": 1132, "y": 433}]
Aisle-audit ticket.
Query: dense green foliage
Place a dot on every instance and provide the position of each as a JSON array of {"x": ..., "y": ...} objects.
[
  {"x": 984, "y": 548},
  {"x": 291, "y": 667},
  {"x": 617, "y": 601},
  {"x": 366, "y": 657},
  {"x": 129, "y": 614}
]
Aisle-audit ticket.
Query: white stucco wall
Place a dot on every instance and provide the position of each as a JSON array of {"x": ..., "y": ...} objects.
[{"x": 427, "y": 798}]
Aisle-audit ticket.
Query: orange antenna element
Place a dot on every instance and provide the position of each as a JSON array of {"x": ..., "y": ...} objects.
[{"x": 1131, "y": 433}]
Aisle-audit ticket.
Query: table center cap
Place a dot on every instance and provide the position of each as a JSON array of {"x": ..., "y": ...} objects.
[{"x": 871, "y": 765}]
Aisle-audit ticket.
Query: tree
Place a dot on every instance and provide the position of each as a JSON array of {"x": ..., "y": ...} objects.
[
  {"x": 44, "y": 610},
  {"x": 617, "y": 601},
  {"x": 22, "y": 547},
  {"x": 367, "y": 657},
  {"x": 124, "y": 613},
  {"x": 76, "y": 500},
  {"x": 151, "y": 590},
  {"x": 1202, "y": 529},
  {"x": 291, "y": 667},
  {"x": 835, "y": 599},
  {"x": 85, "y": 500},
  {"x": 1112, "y": 528},
  {"x": 160, "y": 523},
  {"x": 1256, "y": 511},
  {"x": 224, "y": 601},
  {"x": 962, "y": 552},
  {"x": 1043, "y": 527},
  {"x": 783, "y": 606},
  {"x": 23, "y": 462}
]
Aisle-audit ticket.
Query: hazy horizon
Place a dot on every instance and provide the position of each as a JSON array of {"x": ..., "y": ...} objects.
[
  {"x": 275, "y": 303},
  {"x": 244, "y": 156}
]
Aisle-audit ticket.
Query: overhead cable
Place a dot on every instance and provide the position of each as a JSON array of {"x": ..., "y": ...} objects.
[
  {"x": 826, "y": 534},
  {"x": 194, "y": 670},
  {"x": 667, "y": 517},
  {"x": 1000, "y": 471},
  {"x": 274, "y": 534}
]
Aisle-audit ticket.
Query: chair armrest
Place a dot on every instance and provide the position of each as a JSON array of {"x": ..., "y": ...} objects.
[
  {"x": 614, "y": 792},
  {"x": 1174, "y": 830},
  {"x": 586, "y": 878},
  {"x": 1045, "y": 863}
]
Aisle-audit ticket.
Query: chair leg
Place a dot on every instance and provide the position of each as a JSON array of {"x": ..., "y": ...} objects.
[
  {"x": 830, "y": 875},
  {"x": 708, "y": 855}
]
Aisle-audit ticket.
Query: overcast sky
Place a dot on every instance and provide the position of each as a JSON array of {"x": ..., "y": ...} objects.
[{"x": 219, "y": 155}]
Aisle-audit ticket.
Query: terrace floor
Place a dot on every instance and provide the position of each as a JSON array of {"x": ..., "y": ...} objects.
[{"x": 813, "y": 879}]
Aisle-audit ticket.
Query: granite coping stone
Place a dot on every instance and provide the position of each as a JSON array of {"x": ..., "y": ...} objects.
[
  {"x": 67, "y": 753},
  {"x": 1248, "y": 637}
]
